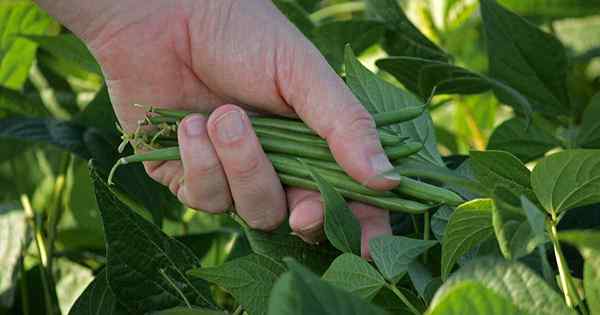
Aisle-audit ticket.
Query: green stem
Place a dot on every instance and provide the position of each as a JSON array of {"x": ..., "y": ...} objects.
[
  {"x": 568, "y": 288},
  {"x": 426, "y": 232},
  {"x": 415, "y": 224},
  {"x": 337, "y": 9},
  {"x": 42, "y": 251},
  {"x": 403, "y": 298},
  {"x": 54, "y": 210},
  {"x": 239, "y": 310},
  {"x": 23, "y": 284}
]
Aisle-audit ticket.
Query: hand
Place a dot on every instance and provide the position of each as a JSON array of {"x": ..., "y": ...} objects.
[{"x": 200, "y": 55}]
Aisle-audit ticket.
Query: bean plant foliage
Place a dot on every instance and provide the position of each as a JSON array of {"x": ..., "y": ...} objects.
[{"x": 497, "y": 211}]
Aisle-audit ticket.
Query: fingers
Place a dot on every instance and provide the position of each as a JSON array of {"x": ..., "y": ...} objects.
[
  {"x": 204, "y": 183},
  {"x": 306, "y": 218},
  {"x": 373, "y": 223},
  {"x": 257, "y": 193},
  {"x": 322, "y": 100},
  {"x": 306, "y": 214}
]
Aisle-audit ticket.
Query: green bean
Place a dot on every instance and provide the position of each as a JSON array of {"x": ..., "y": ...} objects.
[
  {"x": 392, "y": 204},
  {"x": 394, "y": 117},
  {"x": 427, "y": 192},
  {"x": 275, "y": 145},
  {"x": 166, "y": 154},
  {"x": 292, "y": 166},
  {"x": 291, "y": 136},
  {"x": 157, "y": 120}
]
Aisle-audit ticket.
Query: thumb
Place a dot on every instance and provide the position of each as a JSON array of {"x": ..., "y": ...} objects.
[{"x": 321, "y": 99}]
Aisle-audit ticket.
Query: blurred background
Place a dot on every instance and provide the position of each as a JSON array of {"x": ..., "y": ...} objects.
[{"x": 55, "y": 113}]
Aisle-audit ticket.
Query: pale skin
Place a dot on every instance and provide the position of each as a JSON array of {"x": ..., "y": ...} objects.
[{"x": 229, "y": 56}]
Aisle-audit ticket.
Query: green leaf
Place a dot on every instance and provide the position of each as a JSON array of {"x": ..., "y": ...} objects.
[
  {"x": 535, "y": 217},
  {"x": 280, "y": 244},
  {"x": 525, "y": 58},
  {"x": 423, "y": 281},
  {"x": 378, "y": 96},
  {"x": 405, "y": 39},
  {"x": 13, "y": 237},
  {"x": 300, "y": 292},
  {"x": 393, "y": 254},
  {"x": 499, "y": 169},
  {"x": 514, "y": 233},
  {"x": 97, "y": 298},
  {"x": 72, "y": 282},
  {"x": 470, "y": 225},
  {"x": 352, "y": 273},
  {"x": 15, "y": 103},
  {"x": 341, "y": 226},
  {"x": 526, "y": 142},
  {"x": 249, "y": 279},
  {"x": 589, "y": 132},
  {"x": 567, "y": 180},
  {"x": 553, "y": 9},
  {"x": 493, "y": 286},
  {"x": 70, "y": 49},
  {"x": 297, "y": 15},
  {"x": 145, "y": 268},
  {"x": 17, "y": 54},
  {"x": 588, "y": 243},
  {"x": 188, "y": 311},
  {"x": 331, "y": 38},
  {"x": 99, "y": 112},
  {"x": 423, "y": 76}
]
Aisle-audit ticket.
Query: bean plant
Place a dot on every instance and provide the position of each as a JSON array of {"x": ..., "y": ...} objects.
[{"x": 488, "y": 109}]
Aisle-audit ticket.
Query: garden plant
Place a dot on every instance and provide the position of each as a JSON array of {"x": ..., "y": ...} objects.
[{"x": 489, "y": 111}]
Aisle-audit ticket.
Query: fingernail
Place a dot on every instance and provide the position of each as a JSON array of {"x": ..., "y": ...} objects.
[
  {"x": 380, "y": 163},
  {"x": 230, "y": 126},
  {"x": 194, "y": 126}
]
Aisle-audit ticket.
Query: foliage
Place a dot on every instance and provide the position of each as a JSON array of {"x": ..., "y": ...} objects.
[{"x": 513, "y": 98}]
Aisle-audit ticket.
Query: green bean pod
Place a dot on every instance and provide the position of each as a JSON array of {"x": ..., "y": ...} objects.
[
  {"x": 427, "y": 192},
  {"x": 392, "y": 204},
  {"x": 166, "y": 154},
  {"x": 292, "y": 166},
  {"x": 398, "y": 116},
  {"x": 291, "y": 136}
]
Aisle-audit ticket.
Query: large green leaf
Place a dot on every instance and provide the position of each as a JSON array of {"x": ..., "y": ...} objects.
[
  {"x": 527, "y": 142},
  {"x": 423, "y": 280},
  {"x": 69, "y": 48},
  {"x": 424, "y": 76},
  {"x": 301, "y": 292},
  {"x": 553, "y": 8},
  {"x": 146, "y": 269},
  {"x": 515, "y": 234},
  {"x": 352, "y": 273},
  {"x": 588, "y": 243},
  {"x": 393, "y": 254},
  {"x": 249, "y": 279},
  {"x": 492, "y": 286},
  {"x": 378, "y": 96},
  {"x": 525, "y": 58},
  {"x": 331, "y": 38},
  {"x": 13, "y": 237},
  {"x": 567, "y": 180},
  {"x": 589, "y": 132},
  {"x": 470, "y": 225},
  {"x": 15, "y": 103},
  {"x": 97, "y": 298},
  {"x": 17, "y": 54},
  {"x": 281, "y": 243},
  {"x": 404, "y": 38},
  {"x": 501, "y": 170},
  {"x": 341, "y": 226}
]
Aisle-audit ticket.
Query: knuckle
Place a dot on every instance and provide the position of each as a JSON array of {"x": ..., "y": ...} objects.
[{"x": 216, "y": 203}]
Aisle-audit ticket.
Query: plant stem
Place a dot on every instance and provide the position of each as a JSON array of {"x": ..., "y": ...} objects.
[
  {"x": 43, "y": 252},
  {"x": 404, "y": 299},
  {"x": 568, "y": 288},
  {"x": 54, "y": 209},
  {"x": 336, "y": 9},
  {"x": 426, "y": 232},
  {"x": 413, "y": 218},
  {"x": 238, "y": 311},
  {"x": 23, "y": 284}
]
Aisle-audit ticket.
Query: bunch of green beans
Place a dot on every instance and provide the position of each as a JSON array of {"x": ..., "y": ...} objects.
[{"x": 286, "y": 141}]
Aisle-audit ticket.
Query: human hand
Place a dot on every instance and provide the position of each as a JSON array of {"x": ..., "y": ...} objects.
[{"x": 200, "y": 55}]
